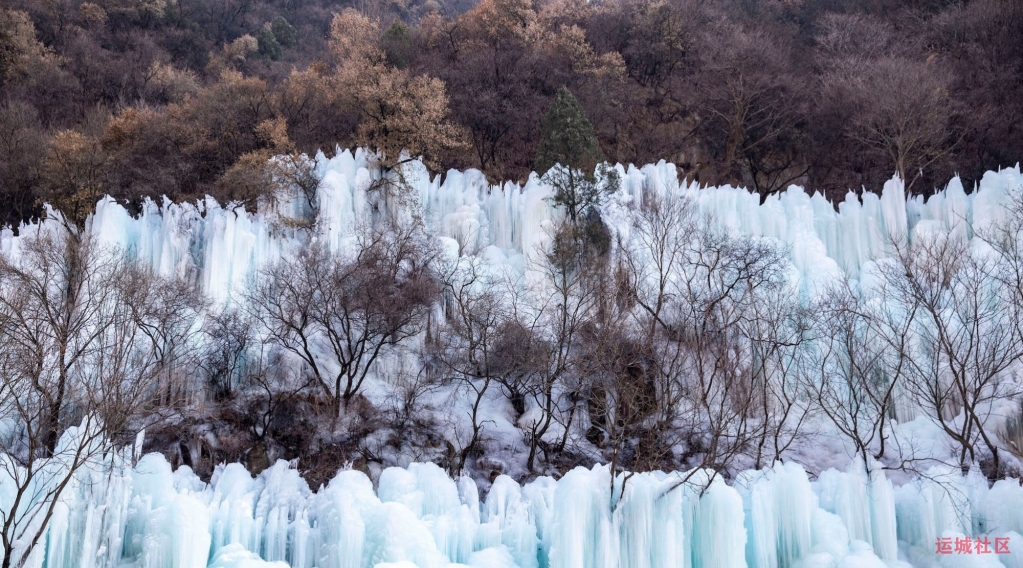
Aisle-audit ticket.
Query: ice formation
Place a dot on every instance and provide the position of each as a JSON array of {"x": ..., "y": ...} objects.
[
  {"x": 145, "y": 515},
  {"x": 123, "y": 511},
  {"x": 222, "y": 245}
]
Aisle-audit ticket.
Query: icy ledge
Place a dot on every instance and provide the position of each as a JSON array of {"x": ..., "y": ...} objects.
[{"x": 149, "y": 516}]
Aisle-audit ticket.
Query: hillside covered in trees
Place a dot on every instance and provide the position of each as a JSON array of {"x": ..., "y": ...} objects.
[{"x": 185, "y": 98}]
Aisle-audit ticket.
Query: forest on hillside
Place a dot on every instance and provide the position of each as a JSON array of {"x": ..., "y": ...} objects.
[{"x": 184, "y": 98}]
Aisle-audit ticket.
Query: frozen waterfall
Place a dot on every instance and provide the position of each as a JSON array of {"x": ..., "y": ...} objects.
[
  {"x": 151, "y": 517},
  {"x": 130, "y": 511},
  {"x": 222, "y": 245}
]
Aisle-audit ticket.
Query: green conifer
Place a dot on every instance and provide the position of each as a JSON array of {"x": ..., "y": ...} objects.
[
  {"x": 567, "y": 137},
  {"x": 284, "y": 33},
  {"x": 568, "y": 140},
  {"x": 268, "y": 44}
]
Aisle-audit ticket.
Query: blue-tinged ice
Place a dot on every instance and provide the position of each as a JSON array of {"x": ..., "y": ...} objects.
[
  {"x": 149, "y": 516},
  {"x": 221, "y": 245},
  {"x": 114, "y": 514}
]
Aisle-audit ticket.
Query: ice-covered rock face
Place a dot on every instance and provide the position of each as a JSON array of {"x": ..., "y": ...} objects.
[
  {"x": 221, "y": 246},
  {"x": 147, "y": 515}
]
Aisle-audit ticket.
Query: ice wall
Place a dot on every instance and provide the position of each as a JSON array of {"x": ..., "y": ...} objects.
[
  {"x": 149, "y": 516},
  {"x": 221, "y": 245},
  {"x": 115, "y": 514}
]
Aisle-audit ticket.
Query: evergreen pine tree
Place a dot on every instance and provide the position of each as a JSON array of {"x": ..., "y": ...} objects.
[
  {"x": 398, "y": 45},
  {"x": 567, "y": 137},
  {"x": 568, "y": 141},
  {"x": 268, "y": 44},
  {"x": 284, "y": 32}
]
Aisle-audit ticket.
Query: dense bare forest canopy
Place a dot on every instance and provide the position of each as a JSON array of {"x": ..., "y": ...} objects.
[{"x": 185, "y": 98}]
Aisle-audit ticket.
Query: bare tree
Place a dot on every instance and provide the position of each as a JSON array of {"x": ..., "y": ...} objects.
[
  {"x": 475, "y": 314},
  {"x": 777, "y": 335},
  {"x": 900, "y": 109},
  {"x": 79, "y": 369},
  {"x": 750, "y": 115},
  {"x": 228, "y": 336},
  {"x": 618, "y": 378},
  {"x": 852, "y": 374},
  {"x": 165, "y": 311},
  {"x": 1006, "y": 241},
  {"x": 724, "y": 279},
  {"x": 963, "y": 319},
  {"x": 719, "y": 315},
  {"x": 340, "y": 312},
  {"x": 554, "y": 313},
  {"x": 662, "y": 231}
]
